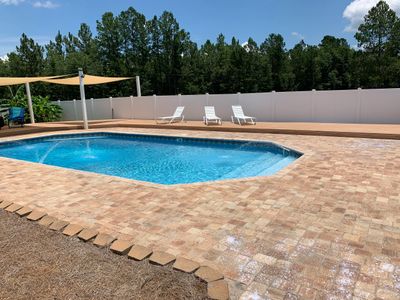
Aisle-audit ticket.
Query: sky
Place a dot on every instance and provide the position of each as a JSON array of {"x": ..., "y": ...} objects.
[{"x": 310, "y": 20}]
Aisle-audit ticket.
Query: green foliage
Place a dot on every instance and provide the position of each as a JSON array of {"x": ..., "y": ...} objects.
[
  {"x": 43, "y": 109},
  {"x": 379, "y": 36},
  {"x": 168, "y": 62},
  {"x": 375, "y": 33},
  {"x": 27, "y": 59}
]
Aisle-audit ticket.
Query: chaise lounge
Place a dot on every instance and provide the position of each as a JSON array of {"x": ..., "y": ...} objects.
[
  {"x": 240, "y": 117},
  {"x": 176, "y": 117},
  {"x": 210, "y": 116}
]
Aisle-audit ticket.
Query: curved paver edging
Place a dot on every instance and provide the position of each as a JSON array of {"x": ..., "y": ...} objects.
[{"x": 217, "y": 288}]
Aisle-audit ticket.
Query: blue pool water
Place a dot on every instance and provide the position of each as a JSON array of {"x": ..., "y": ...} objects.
[{"x": 157, "y": 159}]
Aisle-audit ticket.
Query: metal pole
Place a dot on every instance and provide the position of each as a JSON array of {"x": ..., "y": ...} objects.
[
  {"x": 30, "y": 105},
  {"x": 138, "y": 89},
  {"x": 83, "y": 99}
]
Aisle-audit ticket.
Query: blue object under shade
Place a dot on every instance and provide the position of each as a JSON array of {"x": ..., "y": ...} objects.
[{"x": 157, "y": 159}]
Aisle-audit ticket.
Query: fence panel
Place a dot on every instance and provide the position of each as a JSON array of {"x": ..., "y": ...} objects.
[
  {"x": 122, "y": 108},
  {"x": 223, "y": 104},
  {"x": 348, "y": 106},
  {"x": 98, "y": 109},
  {"x": 380, "y": 106},
  {"x": 259, "y": 105},
  {"x": 143, "y": 108},
  {"x": 194, "y": 106},
  {"x": 293, "y": 107},
  {"x": 336, "y": 106},
  {"x": 166, "y": 105}
]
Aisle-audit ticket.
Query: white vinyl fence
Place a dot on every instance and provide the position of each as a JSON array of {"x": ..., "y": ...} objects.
[{"x": 348, "y": 106}]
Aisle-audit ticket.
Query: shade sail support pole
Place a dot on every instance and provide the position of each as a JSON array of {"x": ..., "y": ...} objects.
[
  {"x": 83, "y": 99},
  {"x": 30, "y": 105},
  {"x": 138, "y": 88}
]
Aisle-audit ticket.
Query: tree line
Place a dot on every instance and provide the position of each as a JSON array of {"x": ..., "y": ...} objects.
[{"x": 169, "y": 62}]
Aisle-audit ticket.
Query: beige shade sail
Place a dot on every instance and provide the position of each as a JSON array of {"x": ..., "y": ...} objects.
[
  {"x": 20, "y": 80},
  {"x": 88, "y": 80}
]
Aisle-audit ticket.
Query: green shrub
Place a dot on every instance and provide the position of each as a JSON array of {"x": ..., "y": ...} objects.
[{"x": 43, "y": 109}]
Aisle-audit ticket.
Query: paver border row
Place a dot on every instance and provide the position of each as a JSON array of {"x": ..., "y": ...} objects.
[{"x": 217, "y": 287}]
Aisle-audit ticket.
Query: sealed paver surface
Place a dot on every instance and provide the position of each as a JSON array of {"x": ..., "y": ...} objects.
[{"x": 327, "y": 226}]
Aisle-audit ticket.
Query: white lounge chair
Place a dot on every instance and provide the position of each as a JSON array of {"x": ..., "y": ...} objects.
[
  {"x": 240, "y": 117},
  {"x": 210, "y": 115},
  {"x": 176, "y": 117}
]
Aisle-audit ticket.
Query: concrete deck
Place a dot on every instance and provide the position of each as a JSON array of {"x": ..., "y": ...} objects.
[
  {"x": 326, "y": 227},
  {"x": 378, "y": 131}
]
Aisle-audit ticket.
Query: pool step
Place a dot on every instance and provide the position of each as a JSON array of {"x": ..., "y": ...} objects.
[
  {"x": 254, "y": 168},
  {"x": 281, "y": 164}
]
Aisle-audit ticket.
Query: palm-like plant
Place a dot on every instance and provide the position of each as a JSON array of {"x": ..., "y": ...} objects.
[{"x": 43, "y": 109}]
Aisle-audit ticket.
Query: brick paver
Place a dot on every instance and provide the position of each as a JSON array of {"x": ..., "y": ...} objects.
[
  {"x": 72, "y": 229},
  {"x": 87, "y": 234},
  {"x": 47, "y": 221},
  {"x": 103, "y": 240},
  {"x": 13, "y": 207},
  {"x": 208, "y": 274},
  {"x": 161, "y": 258},
  {"x": 218, "y": 290},
  {"x": 24, "y": 211},
  {"x": 139, "y": 252},
  {"x": 5, "y": 204},
  {"x": 121, "y": 246},
  {"x": 36, "y": 215},
  {"x": 185, "y": 265},
  {"x": 58, "y": 225},
  {"x": 327, "y": 226}
]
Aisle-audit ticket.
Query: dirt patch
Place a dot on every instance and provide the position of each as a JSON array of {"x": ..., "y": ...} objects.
[{"x": 37, "y": 263}]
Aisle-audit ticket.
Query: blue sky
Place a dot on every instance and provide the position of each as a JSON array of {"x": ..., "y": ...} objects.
[{"x": 204, "y": 19}]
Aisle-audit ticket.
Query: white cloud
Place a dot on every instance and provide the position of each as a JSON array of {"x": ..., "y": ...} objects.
[
  {"x": 357, "y": 9},
  {"x": 36, "y": 4},
  {"x": 45, "y": 4},
  {"x": 11, "y": 2},
  {"x": 4, "y": 57},
  {"x": 298, "y": 35}
]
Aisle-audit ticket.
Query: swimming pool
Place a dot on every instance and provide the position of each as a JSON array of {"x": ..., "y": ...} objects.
[{"x": 156, "y": 159}]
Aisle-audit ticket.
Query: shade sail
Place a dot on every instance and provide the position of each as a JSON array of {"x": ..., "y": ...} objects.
[
  {"x": 88, "y": 80},
  {"x": 20, "y": 80}
]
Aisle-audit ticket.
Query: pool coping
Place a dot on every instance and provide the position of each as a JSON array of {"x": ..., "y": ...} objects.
[
  {"x": 217, "y": 287},
  {"x": 303, "y": 155}
]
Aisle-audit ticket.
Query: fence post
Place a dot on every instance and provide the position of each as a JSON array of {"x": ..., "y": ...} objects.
[
  {"x": 313, "y": 104},
  {"x": 238, "y": 98},
  {"x": 180, "y": 99},
  {"x": 75, "y": 110},
  {"x": 111, "y": 107},
  {"x": 207, "y": 98},
  {"x": 92, "y": 108},
  {"x": 59, "y": 104},
  {"x": 132, "y": 115},
  {"x": 359, "y": 105},
  {"x": 274, "y": 105},
  {"x": 155, "y": 107}
]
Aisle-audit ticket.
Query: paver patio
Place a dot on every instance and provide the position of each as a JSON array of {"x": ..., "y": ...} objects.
[{"x": 328, "y": 226}]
